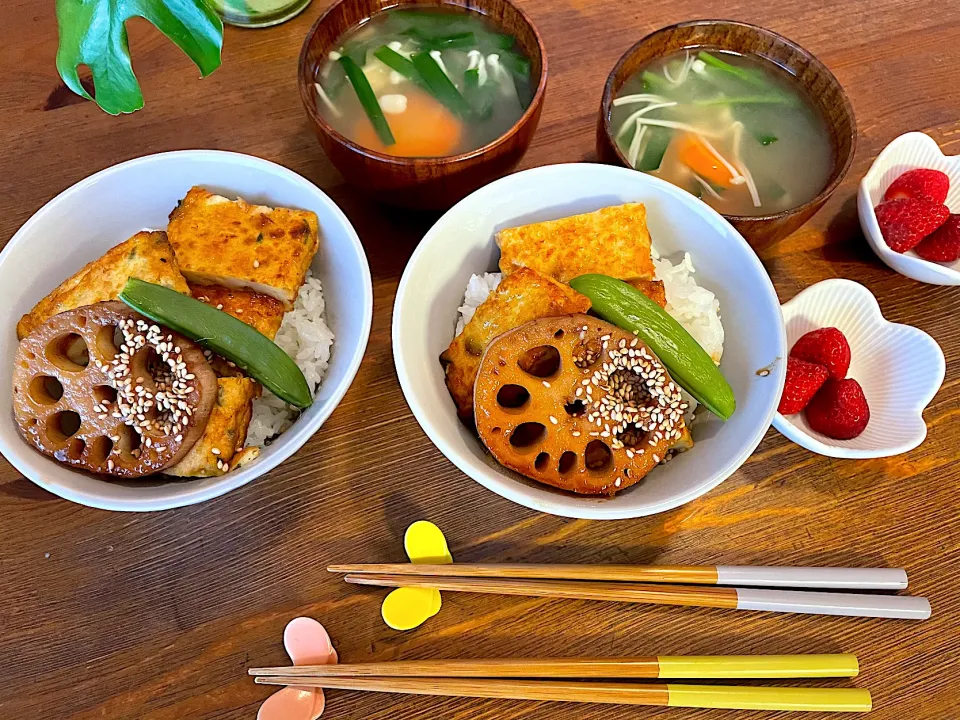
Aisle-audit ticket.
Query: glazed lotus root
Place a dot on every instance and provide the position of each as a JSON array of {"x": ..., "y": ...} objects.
[
  {"x": 102, "y": 389},
  {"x": 576, "y": 403}
]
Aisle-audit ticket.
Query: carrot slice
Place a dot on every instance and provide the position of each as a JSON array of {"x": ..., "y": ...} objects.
[{"x": 701, "y": 157}]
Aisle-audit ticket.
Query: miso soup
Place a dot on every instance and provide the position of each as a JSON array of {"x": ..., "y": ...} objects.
[
  {"x": 424, "y": 83},
  {"x": 736, "y": 131}
]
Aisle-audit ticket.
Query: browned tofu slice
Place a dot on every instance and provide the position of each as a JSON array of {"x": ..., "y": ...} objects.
[
  {"x": 225, "y": 434},
  {"x": 241, "y": 246},
  {"x": 685, "y": 442},
  {"x": 147, "y": 255},
  {"x": 653, "y": 289},
  {"x": 522, "y": 296},
  {"x": 612, "y": 241},
  {"x": 261, "y": 311}
]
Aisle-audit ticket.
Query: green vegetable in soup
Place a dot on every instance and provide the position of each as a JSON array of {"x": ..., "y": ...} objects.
[
  {"x": 440, "y": 85},
  {"x": 503, "y": 41},
  {"x": 395, "y": 61},
  {"x": 253, "y": 352},
  {"x": 691, "y": 368},
  {"x": 747, "y": 75},
  {"x": 356, "y": 51},
  {"x": 479, "y": 97},
  {"x": 428, "y": 41},
  {"x": 654, "y": 83},
  {"x": 657, "y": 146},
  {"x": 368, "y": 99},
  {"x": 92, "y": 33}
]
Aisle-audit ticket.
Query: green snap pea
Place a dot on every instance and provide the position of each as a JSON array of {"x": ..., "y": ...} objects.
[
  {"x": 626, "y": 307},
  {"x": 253, "y": 352}
]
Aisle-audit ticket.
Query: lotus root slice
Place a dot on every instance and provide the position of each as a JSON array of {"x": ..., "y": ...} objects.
[
  {"x": 102, "y": 389},
  {"x": 576, "y": 403}
]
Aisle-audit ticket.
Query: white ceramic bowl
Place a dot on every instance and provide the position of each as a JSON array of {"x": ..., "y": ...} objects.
[
  {"x": 462, "y": 243},
  {"x": 86, "y": 220},
  {"x": 913, "y": 150},
  {"x": 899, "y": 367}
]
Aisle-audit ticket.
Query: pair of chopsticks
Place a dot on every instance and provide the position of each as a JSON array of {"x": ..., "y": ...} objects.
[
  {"x": 575, "y": 680},
  {"x": 654, "y": 585}
]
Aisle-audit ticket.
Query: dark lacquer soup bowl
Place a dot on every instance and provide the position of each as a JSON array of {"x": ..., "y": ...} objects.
[
  {"x": 812, "y": 77},
  {"x": 421, "y": 182}
]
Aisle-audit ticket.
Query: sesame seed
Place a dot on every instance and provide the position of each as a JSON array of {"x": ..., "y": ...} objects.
[
  {"x": 546, "y": 384},
  {"x": 553, "y": 420},
  {"x": 220, "y": 306},
  {"x": 256, "y": 263},
  {"x": 215, "y": 451}
]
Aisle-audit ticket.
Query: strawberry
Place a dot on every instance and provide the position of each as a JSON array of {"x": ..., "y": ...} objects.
[
  {"x": 827, "y": 347},
  {"x": 803, "y": 380},
  {"x": 839, "y": 410},
  {"x": 904, "y": 222},
  {"x": 921, "y": 184},
  {"x": 944, "y": 244}
]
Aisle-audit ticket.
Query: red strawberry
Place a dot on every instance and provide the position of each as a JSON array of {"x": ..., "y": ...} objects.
[
  {"x": 803, "y": 380},
  {"x": 944, "y": 244},
  {"x": 921, "y": 184},
  {"x": 827, "y": 347},
  {"x": 906, "y": 221},
  {"x": 839, "y": 410}
]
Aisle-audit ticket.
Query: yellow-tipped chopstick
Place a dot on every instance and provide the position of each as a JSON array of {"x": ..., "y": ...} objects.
[
  {"x": 671, "y": 667},
  {"x": 731, "y": 697},
  {"x": 792, "y": 601},
  {"x": 745, "y": 576}
]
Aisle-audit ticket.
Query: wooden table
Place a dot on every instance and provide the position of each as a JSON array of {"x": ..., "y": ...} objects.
[{"x": 156, "y": 617}]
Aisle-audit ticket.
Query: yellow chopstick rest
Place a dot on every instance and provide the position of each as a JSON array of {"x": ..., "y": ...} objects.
[
  {"x": 769, "y": 698},
  {"x": 409, "y": 607},
  {"x": 694, "y": 667}
]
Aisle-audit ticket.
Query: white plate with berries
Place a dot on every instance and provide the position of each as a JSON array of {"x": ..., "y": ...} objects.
[
  {"x": 856, "y": 383},
  {"x": 909, "y": 207}
]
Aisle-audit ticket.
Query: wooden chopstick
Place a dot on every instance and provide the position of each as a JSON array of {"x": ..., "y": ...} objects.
[
  {"x": 799, "y": 577},
  {"x": 663, "y": 667},
  {"x": 795, "y": 601},
  {"x": 663, "y": 695}
]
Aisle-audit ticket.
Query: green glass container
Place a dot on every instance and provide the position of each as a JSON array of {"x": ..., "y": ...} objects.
[{"x": 258, "y": 13}]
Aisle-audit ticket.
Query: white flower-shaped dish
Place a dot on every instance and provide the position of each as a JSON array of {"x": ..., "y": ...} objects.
[
  {"x": 899, "y": 367},
  {"x": 907, "y": 152}
]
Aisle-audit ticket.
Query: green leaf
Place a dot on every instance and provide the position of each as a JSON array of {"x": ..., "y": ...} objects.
[{"x": 92, "y": 33}]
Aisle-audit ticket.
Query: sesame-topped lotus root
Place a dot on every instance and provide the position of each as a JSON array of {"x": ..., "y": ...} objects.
[
  {"x": 576, "y": 403},
  {"x": 103, "y": 389}
]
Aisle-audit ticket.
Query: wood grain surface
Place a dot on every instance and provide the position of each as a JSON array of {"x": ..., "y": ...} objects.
[{"x": 157, "y": 617}]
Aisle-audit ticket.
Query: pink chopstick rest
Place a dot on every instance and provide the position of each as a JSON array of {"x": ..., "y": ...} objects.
[{"x": 307, "y": 643}]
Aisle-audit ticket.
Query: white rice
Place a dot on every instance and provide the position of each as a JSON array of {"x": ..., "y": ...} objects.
[
  {"x": 478, "y": 288},
  {"x": 305, "y": 337},
  {"x": 694, "y": 307}
]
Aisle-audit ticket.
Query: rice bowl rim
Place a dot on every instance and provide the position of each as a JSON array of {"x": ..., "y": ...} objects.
[{"x": 541, "y": 499}]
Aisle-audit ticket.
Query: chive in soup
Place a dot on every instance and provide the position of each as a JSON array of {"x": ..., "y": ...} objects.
[
  {"x": 424, "y": 83},
  {"x": 736, "y": 131}
]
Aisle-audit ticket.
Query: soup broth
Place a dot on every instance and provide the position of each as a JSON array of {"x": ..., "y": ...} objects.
[
  {"x": 736, "y": 131},
  {"x": 424, "y": 83}
]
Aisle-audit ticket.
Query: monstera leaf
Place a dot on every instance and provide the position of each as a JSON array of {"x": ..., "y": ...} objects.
[{"x": 92, "y": 33}]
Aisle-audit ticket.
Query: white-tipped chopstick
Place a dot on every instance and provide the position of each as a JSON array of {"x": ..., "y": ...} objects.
[
  {"x": 745, "y": 576},
  {"x": 731, "y": 697},
  {"x": 791, "y": 601},
  {"x": 663, "y": 667}
]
